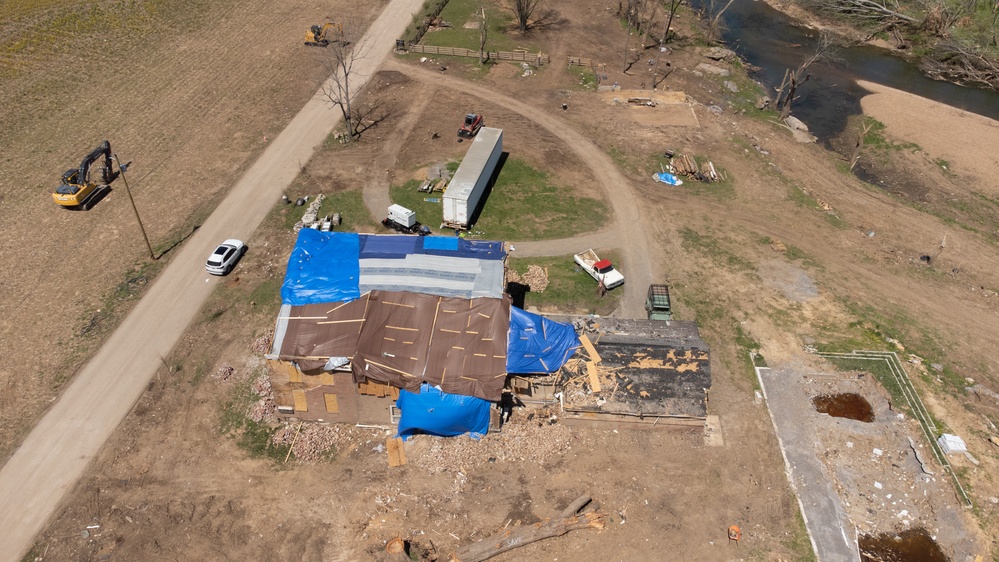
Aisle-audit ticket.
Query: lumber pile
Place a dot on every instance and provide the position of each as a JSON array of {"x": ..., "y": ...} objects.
[
  {"x": 686, "y": 165},
  {"x": 536, "y": 278}
]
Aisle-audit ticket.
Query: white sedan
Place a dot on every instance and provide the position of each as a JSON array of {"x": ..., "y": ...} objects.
[{"x": 224, "y": 258}]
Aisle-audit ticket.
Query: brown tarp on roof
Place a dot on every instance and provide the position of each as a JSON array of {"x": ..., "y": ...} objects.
[
  {"x": 317, "y": 332},
  {"x": 457, "y": 344}
]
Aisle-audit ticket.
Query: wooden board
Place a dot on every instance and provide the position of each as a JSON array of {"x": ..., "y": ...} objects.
[
  {"x": 591, "y": 370},
  {"x": 294, "y": 375},
  {"x": 331, "y": 404},
  {"x": 301, "y": 404},
  {"x": 396, "y": 451},
  {"x": 326, "y": 379},
  {"x": 590, "y": 350}
]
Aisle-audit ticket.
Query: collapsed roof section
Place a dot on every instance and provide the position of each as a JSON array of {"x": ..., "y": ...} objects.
[{"x": 326, "y": 267}]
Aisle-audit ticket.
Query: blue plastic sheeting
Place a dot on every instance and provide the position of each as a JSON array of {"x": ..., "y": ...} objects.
[
  {"x": 388, "y": 246},
  {"x": 438, "y": 413},
  {"x": 538, "y": 345},
  {"x": 480, "y": 249},
  {"x": 666, "y": 177},
  {"x": 449, "y": 243},
  {"x": 323, "y": 267}
]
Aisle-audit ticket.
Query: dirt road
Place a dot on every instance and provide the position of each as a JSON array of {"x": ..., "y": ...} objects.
[
  {"x": 55, "y": 454},
  {"x": 627, "y": 223}
]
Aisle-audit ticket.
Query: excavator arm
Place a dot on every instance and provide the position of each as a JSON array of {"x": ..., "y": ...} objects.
[{"x": 76, "y": 186}]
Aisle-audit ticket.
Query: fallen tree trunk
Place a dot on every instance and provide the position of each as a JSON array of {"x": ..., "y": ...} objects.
[{"x": 570, "y": 519}]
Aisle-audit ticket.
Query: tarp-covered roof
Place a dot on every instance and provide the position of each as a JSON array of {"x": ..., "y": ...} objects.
[
  {"x": 537, "y": 344},
  {"x": 329, "y": 267},
  {"x": 466, "y": 346},
  {"x": 458, "y": 345}
]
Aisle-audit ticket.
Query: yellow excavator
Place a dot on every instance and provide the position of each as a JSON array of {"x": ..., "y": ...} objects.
[
  {"x": 77, "y": 191},
  {"x": 323, "y": 35}
]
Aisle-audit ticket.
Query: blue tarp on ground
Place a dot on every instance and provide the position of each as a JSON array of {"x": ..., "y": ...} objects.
[
  {"x": 323, "y": 267},
  {"x": 536, "y": 344},
  {"x": 435, "y": 412},
  {"x": 666, "y": 177}
]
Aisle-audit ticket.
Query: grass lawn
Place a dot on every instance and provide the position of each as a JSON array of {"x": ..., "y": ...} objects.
[
  {"x": 570, "y": 289},
  {"x": 498, "y": 23},
  {"x": 524, "y": 204}
]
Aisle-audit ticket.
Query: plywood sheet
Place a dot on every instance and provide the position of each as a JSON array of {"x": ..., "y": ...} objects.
[
  {"x": 331, "y": 403},
  {"x": 301, "y": 404},
  {"x": 590, "y": 350},
  {"x": 591, "y": 370},
  {"x": 396, "y": 451}
]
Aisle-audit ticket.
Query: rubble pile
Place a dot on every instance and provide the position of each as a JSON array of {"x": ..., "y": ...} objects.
[
  {"x": 537, "y": 438},
  {"x": 318, "y": 442},
  {"x": 224, "y": 372},
  {"x": 264, "y": 409},
  {"x": 263, "y": 343}
]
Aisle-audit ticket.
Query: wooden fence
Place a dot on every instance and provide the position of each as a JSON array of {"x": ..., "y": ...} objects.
[{"x": 536, "y": 59}]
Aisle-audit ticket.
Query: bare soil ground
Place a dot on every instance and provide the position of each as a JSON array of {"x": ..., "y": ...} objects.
[{"x": 198, "y": 105}]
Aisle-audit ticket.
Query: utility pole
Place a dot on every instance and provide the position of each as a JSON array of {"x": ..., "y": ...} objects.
[{"x": 134, "y": 208}]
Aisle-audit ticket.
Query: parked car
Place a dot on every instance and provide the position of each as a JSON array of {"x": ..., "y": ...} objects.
[{"x": 224, "y": 258}]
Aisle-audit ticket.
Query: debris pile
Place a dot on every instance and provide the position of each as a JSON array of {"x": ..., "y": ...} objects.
[
  {"x": 536, "y": 278},
  {"x": 535, "y": 438},
  {"x": 317, "y": 442},
  {"x": 310, "y": 218},
  {"x": 263, "y": 343},
  {"x": 264, "y": 409},
  {"x": 224, "y": 372}
]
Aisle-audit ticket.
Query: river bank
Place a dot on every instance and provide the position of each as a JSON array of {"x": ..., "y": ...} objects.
[{"x": 962, "y": 142}]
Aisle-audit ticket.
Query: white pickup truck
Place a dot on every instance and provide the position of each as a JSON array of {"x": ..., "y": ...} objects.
[{"x": 599, "y": 269}]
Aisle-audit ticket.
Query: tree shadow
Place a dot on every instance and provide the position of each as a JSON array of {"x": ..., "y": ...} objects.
[{"x": 373, "y": 114}]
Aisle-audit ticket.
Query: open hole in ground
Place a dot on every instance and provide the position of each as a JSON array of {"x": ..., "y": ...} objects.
[
  {"x": 914, "y": 545},
  {"x": 847, "y": 405}
]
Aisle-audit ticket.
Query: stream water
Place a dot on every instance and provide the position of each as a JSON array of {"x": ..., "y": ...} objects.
[{"x": 768, "y": 39}]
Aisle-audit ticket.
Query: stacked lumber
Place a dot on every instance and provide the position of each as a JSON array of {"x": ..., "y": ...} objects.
[{"x": 684, "y": 165}]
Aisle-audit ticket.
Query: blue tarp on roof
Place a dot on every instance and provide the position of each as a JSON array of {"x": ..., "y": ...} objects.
[
  {"x": 536, "y": 344},
  {"x": 449, "y": 243},
  {"x": 323, "y": 267},
  {"x": 388, "y": 246},
  {"x": 438, "y": 413}
]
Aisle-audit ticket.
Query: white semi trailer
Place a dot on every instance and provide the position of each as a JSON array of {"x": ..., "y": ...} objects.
[{"x": 464, "y": 193}]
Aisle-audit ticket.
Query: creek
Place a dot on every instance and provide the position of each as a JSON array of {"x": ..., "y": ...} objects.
[{"x": 772, "y": 41}]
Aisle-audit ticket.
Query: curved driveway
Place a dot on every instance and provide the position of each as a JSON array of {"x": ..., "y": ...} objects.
[{"x": 624, "y": 232}]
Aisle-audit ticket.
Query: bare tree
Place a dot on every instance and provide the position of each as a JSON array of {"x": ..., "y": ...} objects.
[
  {"x": 824, "y": 51},
  {"x": 523, "y": 10},
  {"x": 338, "y": 61},
  {"x": 482, "y": 36},
  {"x": 872, "y": 11}
]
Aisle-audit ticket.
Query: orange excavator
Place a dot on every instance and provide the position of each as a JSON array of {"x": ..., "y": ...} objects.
[
  {"x": 323, "y": 35},
  {"x": 77, "y": 190}
]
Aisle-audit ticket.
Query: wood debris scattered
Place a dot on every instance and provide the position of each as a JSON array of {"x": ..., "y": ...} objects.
[
  {"x": 536, "y": 278},
  {"x": 580, "y": 514}
]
